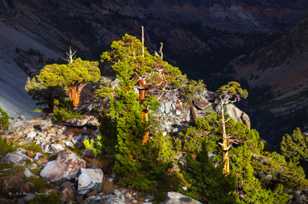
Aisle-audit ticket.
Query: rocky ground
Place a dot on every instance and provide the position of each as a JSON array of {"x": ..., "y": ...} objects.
[
  {"x": 50, "y": 164},
  {"x": 51, "y": 159}
]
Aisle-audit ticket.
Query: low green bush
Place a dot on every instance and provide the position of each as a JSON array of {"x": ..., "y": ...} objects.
[
  {"x": 63, "y": 114},
  {"x": 5, "y": 147},
  {"x": 4, "y": 120}
]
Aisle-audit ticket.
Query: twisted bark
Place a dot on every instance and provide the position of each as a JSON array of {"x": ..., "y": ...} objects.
[{"x": 74, "y": 93}]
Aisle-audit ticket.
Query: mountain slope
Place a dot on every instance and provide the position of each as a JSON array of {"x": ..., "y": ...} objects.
[
  {"x": 278, "y": 74},
  {"x": 12, "y": 78},
  {"x": 201, "y": 36}
]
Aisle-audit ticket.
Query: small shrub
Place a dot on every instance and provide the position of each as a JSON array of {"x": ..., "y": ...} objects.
[
  {"x": 5, "y": 147},
  {"x": 63, "y": 114},
  {"x": 4, "y": 120},
  {"x": 94, "y": 145}
]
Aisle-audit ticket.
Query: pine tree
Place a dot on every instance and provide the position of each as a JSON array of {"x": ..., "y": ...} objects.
[
  {"x": 71, "y": 78},
  {"x": 229, "y": 93},
  {"x": 295, "y": 146}
]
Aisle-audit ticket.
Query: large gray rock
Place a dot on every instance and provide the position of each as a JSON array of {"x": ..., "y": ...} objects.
[
  {"x": 18, "y": 157},
  {"x": 178, "y": 198},
  {"x": 90, "y": 179},
  {"x": 300, "y": 197},
  {"x": 28, "y": 173},
  {"x": 66, "y": 166},
  {"x": 86, "y": 120},
  {"x": 238, "y": 115}
]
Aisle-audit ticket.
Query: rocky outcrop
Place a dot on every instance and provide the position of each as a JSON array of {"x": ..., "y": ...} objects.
[
  {"x": 65, "y": 167},
  {"x": 89, "y": 180},
  {"x": 18, "y": 157},
  {"x": 238, "y": 115},
  {"x": 178, "y": 198},
  {"x": 53, "y": 138},
  {"x": 74, "y": 178},
  {"x": 175, "y": 113},
  {"x": 85, "y": 120},
  {"x": 117, "y": 197}
]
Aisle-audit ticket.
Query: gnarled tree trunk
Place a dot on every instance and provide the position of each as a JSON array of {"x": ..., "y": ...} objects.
[{"x": 74, "y": 93}]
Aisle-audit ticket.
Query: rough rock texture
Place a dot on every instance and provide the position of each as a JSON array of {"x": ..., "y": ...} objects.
[
  {"x": 85, "y": 120},
  {"x": 238, "y": 115},
  {"x": 18, "y": 157},
  {"x": 178, "y": 198},
  {"x": 75, "y": 179},
  {"x": 175, "y": 113},
  {"x": 66, "y": 166},
  {"x": 52, "y": 138},
  {"x": 89, "y": 180},
  {"x": 117, "y": 197}
]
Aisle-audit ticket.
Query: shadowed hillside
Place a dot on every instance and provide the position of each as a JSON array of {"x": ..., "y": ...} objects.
[{"x": 278, "y": 77}]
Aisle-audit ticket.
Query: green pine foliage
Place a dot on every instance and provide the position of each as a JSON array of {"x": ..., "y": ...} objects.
[
  {"x": 233, "y": 88},
  {"x": 189, "y": 161},
  {"x": 256, "y": 176},
  {"x": 64, "y": 75},
  {"x": 127, "y": 62},
  {"x": 61, "y": 114},
  {"x": 192, "y": 159},
  {"x": 54, "y": 80},
  {"x": 5, "y": 147},
  {"x": 4, "y": 120},
  {"x": 141, "y": 166},
  {"x": 295, "y": 146},
  {"x": 206, "y": 181}
]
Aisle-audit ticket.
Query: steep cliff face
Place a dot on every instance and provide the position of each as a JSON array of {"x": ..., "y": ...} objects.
[{"x": 278, "y": 74}]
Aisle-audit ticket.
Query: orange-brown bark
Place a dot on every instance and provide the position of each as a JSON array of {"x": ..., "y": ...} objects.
[
  {"x": 74, "y": 93},
  {"x": 146, "y": 137},
  {"x": 145, "y": 116}
]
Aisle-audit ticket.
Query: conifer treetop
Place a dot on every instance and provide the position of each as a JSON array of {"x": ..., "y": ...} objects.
[{"x": 65, "y": 75}]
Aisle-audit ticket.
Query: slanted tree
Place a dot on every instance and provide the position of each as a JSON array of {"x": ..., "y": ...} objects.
[
  {"x": 295, "y": 146},
  {"x": 71, "y": 78},
  {"x": 229, "y": 93}
]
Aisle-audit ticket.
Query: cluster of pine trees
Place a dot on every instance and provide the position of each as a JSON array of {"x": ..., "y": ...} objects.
[{"x": 198, "y": 161}]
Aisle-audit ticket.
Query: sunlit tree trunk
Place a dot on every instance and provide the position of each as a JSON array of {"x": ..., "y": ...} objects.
[
  {"x": 145, "y": 119},
  {"x": 225, "y": 144},
  {"x": 74, "y": 93},
  {"x": 146, "y": 137}
]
